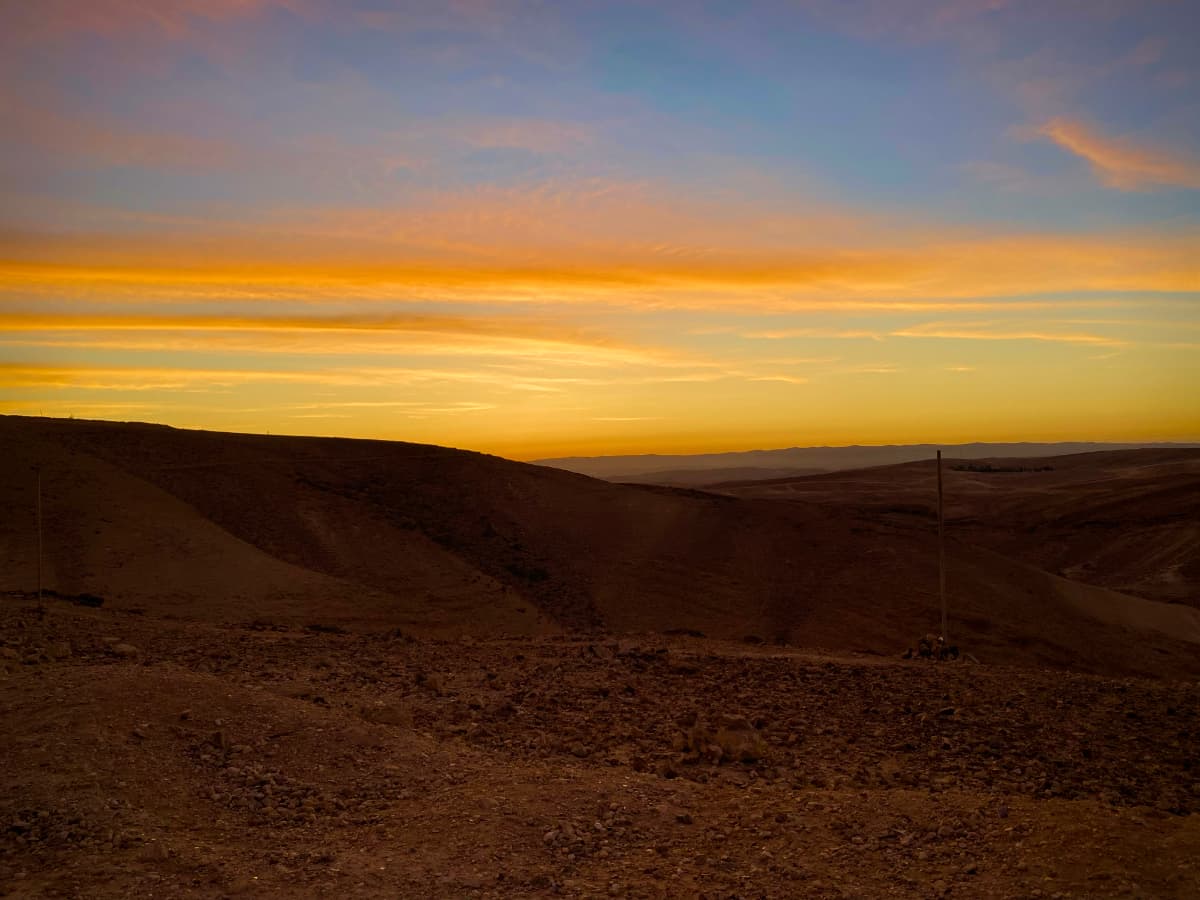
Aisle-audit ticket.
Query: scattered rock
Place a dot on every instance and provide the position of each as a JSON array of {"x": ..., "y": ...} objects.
[
  {"x": 739, "y": 740},
  {"x": 394, "y": 714},
  {"x": 156, "y": 852}
]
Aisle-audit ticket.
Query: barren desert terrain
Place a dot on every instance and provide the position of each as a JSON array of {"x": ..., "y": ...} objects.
[{"x": 326, "y": 668}]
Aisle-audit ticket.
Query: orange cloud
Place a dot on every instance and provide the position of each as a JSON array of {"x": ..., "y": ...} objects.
[
  {"x": 247, "y": 266},
  {"x": 150, "y": 378},
  {"x": 840, "y": 333},
  {"x": 991, "y": 331},
  {"x": 589, "y": 241},
  {"x": 1120, "y": 163},
  {"x": 142, "y": 378},
  {"x": 492, "y": 380},
  {"x": 358, "y": 334}
]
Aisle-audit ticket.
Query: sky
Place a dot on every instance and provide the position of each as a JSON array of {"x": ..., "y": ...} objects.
[{"x": 578, "y": 228}]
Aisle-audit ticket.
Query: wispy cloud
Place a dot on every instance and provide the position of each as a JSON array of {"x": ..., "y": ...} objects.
[
  {"x": 871, "y": 369},
  {"x": 42, "y": 406},
  {"x": 421, "y": 335},
  {"x": 995, "y": 331},
  {"x": 776, "y": 334},
  {"x": 782, "y": 379},
  {"x": 151, "y": 378},
  {"x": 1121, "y": 163},
  {"x": 618, "y": 247},
  {"x": 413, "y": 409}
]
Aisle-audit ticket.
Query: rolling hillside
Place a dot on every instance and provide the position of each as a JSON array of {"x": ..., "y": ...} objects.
[
  {"x": 376, "y": 535},
  {"x": 1128, "y": 520},
  {"x": 761, "y": 464}
]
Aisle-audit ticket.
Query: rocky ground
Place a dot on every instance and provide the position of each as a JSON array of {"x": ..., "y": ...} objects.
[{"x": 151, "y": 757}]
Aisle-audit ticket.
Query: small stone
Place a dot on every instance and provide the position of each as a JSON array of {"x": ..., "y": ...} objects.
[
  {"x": 684, "y": 818},
  {"x": 59, "y": 650},
  {"x": 126, "y": 651}
]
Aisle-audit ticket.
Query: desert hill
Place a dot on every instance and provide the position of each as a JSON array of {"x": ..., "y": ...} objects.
[
  {"x": 1128, "y": 520},
  {"x": 763, "y": 464},
  {"x": 700, "y": 478},
  {"x": 377, "y": 535}
]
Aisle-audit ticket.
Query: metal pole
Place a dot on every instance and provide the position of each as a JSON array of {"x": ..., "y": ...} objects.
[
  {"x": 941, "y": 551},
  {"x": 39, "y": 535}
]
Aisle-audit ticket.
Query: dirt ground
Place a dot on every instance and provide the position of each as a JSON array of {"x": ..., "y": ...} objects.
[{"x": 146, "y": 757}]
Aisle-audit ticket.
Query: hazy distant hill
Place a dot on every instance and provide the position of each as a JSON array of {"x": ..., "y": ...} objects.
[
  {"x": 1123, "y": 519},
  {"x": 651, "y": 467},
  {"x": 704, "y": 477},
  {"x": 378, "y": 535}
]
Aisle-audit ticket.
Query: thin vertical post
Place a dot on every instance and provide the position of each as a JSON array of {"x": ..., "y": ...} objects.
[
  {"x": 941, "y": 551},
  {"x": 39, "y": 535}
]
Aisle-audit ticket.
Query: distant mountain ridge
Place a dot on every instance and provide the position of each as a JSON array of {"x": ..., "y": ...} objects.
[{"x": 660, "y": 468}]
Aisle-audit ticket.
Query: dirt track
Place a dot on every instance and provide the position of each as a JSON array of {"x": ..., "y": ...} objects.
[{"x": 149, "y": 757}]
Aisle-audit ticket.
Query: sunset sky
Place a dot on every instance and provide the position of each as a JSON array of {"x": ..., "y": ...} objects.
[{"x": 557, "y": 228}]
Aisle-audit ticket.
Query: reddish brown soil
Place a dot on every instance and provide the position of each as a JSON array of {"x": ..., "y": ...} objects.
[
  {"x": 360, "y": 669},
  {"x": 274, "y": 762}
]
